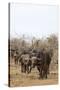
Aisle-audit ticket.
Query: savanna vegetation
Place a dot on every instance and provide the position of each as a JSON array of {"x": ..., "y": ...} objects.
[{"x": 19, "y": 45}]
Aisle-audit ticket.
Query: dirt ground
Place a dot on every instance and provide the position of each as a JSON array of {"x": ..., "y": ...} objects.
[{"x": 21, "y": 79}]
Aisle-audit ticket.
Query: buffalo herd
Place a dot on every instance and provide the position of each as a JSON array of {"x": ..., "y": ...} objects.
[{"x": 40, "y": 59}]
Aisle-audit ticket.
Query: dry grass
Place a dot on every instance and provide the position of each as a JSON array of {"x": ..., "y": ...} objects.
[{"x": 21, "y": 79}]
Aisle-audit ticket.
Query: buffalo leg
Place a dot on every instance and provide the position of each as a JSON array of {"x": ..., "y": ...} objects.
[
  {"x": 27, "y": 69},
  {"x": 21, "y": 68}
]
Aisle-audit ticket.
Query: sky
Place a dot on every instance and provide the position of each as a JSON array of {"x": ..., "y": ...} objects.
[{"x": 33, "y": 20}]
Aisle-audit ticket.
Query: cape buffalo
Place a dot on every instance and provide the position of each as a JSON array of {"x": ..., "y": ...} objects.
[
  {"x": 42, "y": 62},
  {"x": 25, "y": 63}
]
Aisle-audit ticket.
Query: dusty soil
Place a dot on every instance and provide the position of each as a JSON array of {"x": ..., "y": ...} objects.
[{"x": 21, "y": 79}]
